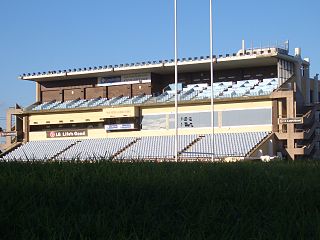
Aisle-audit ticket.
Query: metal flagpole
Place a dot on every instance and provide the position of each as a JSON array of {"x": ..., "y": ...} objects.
[
  {"x": 211, "y": 73},
  {"x": 176, "y": 81}
]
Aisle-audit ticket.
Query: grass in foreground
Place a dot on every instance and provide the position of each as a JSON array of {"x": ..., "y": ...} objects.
[{"x": 160, "y": 201}]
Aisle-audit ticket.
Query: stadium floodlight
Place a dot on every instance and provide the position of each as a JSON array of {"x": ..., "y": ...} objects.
[
  {"x": 175, "y": 82},
  {"x": 211, "y": 76}
]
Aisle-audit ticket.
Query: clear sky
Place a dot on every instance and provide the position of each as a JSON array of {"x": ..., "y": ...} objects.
[{"x": 42, "y": 35}]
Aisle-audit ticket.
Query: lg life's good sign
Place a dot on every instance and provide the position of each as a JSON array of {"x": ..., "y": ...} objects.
[{"x": 66, "y": 134}]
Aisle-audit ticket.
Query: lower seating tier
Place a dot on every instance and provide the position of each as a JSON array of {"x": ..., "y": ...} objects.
[
  {"x": 153, "y": 147},
  {"x": 226, "y": 144}
]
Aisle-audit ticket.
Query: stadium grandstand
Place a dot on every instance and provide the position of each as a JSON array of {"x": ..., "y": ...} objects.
[{"x": 265, "y": 104}]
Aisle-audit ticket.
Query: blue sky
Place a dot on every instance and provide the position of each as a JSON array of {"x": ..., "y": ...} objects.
[{"x": 39, "y": 35}]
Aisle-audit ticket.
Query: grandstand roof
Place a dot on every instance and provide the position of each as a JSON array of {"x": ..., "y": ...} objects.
[{"x": 252, "y": 58}]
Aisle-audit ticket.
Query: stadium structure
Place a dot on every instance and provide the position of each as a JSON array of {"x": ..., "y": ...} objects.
[{"x": 265, "y": 104}]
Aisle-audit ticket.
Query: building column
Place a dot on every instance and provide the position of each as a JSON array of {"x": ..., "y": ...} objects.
[
  {"x": 26, "y": 128},
  {"x": 306, "y": 78},
  {"x": 270, "y": 148},
  {"x": 297, "y": 68},
  {"x": 8, "y": 126},
  {"x": 316, "y": 89},
  {"x": 290, "y": 127},
  {"x": 38, "y": 92}
]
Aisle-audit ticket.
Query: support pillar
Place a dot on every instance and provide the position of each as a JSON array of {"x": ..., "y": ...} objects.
[
  {"x": 8, "y": 126},
  {"x": 38, "y": 92},
  {"x": 26, "y": 128},
  {"x": 297, "y": 68},
  {"x": 290, "y": 127},
  {"x": 316, "y": 89},
  {"x": 270, "y": 148},
  {"x": 306, "y": 78}
]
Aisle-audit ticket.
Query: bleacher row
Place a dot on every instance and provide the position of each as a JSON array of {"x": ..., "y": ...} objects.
[
  {"x": 152, "y": 147},
  {"x": 188, "y": 93}
]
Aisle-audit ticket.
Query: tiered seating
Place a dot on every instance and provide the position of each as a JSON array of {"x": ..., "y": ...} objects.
[
  {"x": 119, "y": 101},
  {"x": 164, "y": 97},
  {"x": 39, "y": 150},
  {"x": 76, "y": 103},
  {"x": 156, "y": 147},
  {"x": 226, "y": 144},
  {"x": 88, "y": 103},
  {"x": 152, "y": 147},
  {"x": 65, "y": 104},
  {"x": 266, "y": 86},
  {"x": 143, "y": 99},
  {"x": 189, "y": 93},
  {"x": 137, "y": 99},
  {"x": 111, "y": 101},
  {"x": 132, "y": 100},
  {"x": 47, "y": 105},
  {"x": 94, "y": 149},
  {"x": 240, "y": 88},
  {"x": 206, "y": 93},
  {"x": 186, "y": 94},
  {"x": 100, "y": 102}
]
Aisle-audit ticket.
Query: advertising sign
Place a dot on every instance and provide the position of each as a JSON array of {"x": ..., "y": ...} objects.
[
  {"x": 290, "y": 120},
  {"x": 67, "y": 133},
  {"x": 108, "y": 81},
  {"x": 8, "y": 134},
  {"x": 125, "y": 79},
  {"x": 138, "y": 77},
  {"x": 120, "y": 112},
  {"x": 115, "y": 127}
]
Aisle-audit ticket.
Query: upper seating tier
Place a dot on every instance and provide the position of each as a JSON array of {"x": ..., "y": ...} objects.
[{"x": 191, "y": 92}]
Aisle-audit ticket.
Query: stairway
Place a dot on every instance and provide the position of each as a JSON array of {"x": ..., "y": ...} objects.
[
  {"x": 59, "y": 153},
  {"x": 114, "y": 156},
  {"x": 190, "y": 145}
]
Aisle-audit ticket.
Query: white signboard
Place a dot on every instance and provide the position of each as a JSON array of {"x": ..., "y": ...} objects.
[
  {"x": 298, "y": 120},
  {"x": 115, "y": 127},
  {"x": 138, "y": 77},
  {"x": 8, "y": 134},
  {"x": 125, "y": 79}
]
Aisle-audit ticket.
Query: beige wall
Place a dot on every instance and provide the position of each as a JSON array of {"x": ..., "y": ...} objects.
[
  {"x": 100, "y": 114},
  {"x": 217, "y": 107},
  {"x": 97, "y": 115},
  {"x": 58, "y": 118},
  {"x": 101, "y": 133},
  {"x": 83, "y": 117}
]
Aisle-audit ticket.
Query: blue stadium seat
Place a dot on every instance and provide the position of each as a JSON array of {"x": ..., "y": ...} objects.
[{"x": 200, "y": 91}]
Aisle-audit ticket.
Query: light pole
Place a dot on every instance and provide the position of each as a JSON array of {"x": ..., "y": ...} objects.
[
  {"x": 211, "y": 77},
  {"x": 176, "y": 81}
]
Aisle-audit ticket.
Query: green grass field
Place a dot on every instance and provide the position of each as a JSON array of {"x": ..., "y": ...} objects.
[{"x": 160, "y": 201}]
